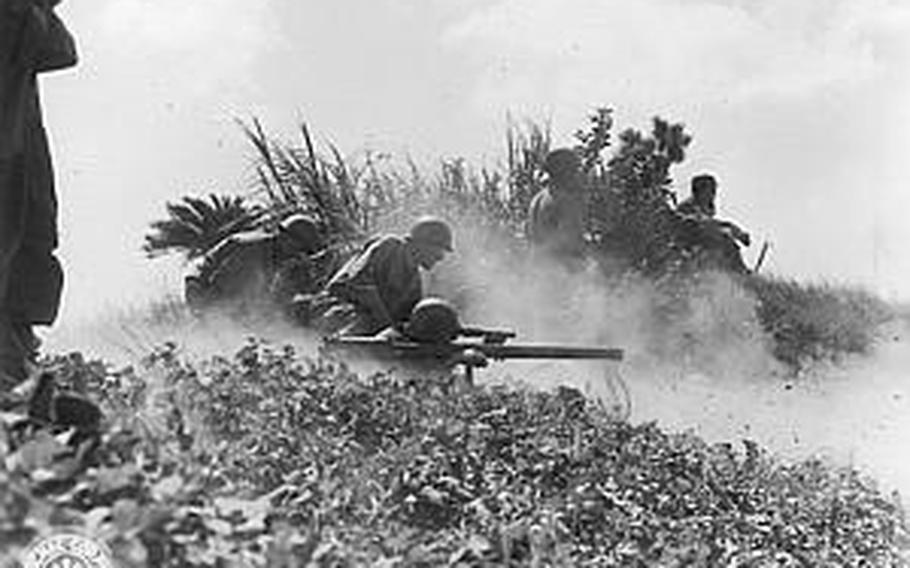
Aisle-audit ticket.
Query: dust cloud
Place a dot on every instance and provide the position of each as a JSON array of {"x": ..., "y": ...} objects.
[
  {"x": 122, "y": 337},
  {"x": 706, "y": 368}
]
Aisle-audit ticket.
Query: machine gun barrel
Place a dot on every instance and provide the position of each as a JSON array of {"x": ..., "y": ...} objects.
[
  {"x": 406, "y": 349},
  {"x": 550, "y": 352}
]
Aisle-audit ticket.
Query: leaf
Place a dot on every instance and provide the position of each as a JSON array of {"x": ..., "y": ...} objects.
[
  {"x": 94, "y": 518},
  {"x": 126, "y": 516},
  {"x": 219, "y": 526},
  {"x": 167, "y": 488},
  {"x": 37, "y": 453},
  {"x": 110, "y": 480},
  {"x": 129, "y": 551},
  {"x": 229, "y": 506}
]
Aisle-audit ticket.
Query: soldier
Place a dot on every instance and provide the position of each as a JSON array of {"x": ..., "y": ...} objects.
[
  {"x": 307, "y": 273},
  {"x": 701, "y": 200},
  {"x": 33, "y": 40},
  {"x": 556, "y": 216},
  {"x": 431, "y": 321},
  {"x": 381, "y": 284},
  {"x": 701, "y": 229},
  {"x": 239, "y": 273}
]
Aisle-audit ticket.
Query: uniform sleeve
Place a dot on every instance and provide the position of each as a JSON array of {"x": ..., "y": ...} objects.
[
  {"x": 544, "y": 219},
  {"x": 398, "y": 280},
  {"x": 35, "y": 40},
  {"x": 54, "y": 47},
  {"x": 356, "y": 272}
]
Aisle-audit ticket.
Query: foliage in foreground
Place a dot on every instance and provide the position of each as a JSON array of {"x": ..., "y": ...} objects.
[{"x": 268, "y": 459}]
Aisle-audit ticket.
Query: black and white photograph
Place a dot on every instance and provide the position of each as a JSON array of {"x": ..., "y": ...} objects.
[{"x": 457, "y": 283}]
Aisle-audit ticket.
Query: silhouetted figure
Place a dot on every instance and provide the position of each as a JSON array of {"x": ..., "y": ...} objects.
[
  {"x": 700, "y": 229},
  {"x": 239, "y": 273},
  {"x": 33, "y": 40},
  {"x": 556, "y": 214},
  {"x": 380, "y": 285}
]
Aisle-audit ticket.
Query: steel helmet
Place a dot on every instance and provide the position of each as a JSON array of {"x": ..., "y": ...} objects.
[
  {"x": 432, "y": 231},
  {"x": 433, "y": 320},
  {"x": 560, "y": 161},
  {"x": 704, "y": 183},
  {"x": 303, "y": 229}
]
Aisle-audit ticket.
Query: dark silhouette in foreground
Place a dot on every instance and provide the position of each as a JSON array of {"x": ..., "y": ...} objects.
[{"x": 33, "y": 40}]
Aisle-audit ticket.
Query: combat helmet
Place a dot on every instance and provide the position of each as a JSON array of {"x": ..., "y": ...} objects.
[
  {"x": 704, "y": 183},
  {"x": 433, "y": 320},
  {"x": 432, "y": 231},
  {"x": 303, "y": 230},
  {"x": 560, "y": 161}
]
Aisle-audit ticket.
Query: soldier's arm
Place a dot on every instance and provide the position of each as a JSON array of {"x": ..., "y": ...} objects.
[
  {"x": 735, "y": 231},
  {"x": 359, "y": 285},
  {"x": 368, "y": 297},
  {"x": 44, "y": 44},
  {"x": 59, "y": 47}
]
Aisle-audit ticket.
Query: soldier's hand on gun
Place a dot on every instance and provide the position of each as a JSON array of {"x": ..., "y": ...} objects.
[
  {"x": 471, "y": 358},
  {"x": 743, "y": 237}
]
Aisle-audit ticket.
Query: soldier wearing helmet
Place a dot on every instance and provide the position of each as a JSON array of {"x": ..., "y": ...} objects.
[
  {"x": 433, "y": 320},
  {"x": 701, "y": 201},
  {"x": 556, "y": 216},
  {"x": 700, "y": 229},
  {"x": 255, "y": 270},
  {"x": 381, "y": 284}
]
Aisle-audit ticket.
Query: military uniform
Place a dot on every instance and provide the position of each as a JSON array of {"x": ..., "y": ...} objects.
[
  {"x": 556, "y": 223},
  {"x": 32, "y": 40},
  {"x": 691, "y": 206},
  {"x": 236, "y": 274},
  {"x": 385, "y": 266},
  {"x": 306, "y": 274},
  {"x": 717, "y": 239}
]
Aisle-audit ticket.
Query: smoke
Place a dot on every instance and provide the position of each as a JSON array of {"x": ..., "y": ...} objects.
[
  {"x": 702, "y": 365},
  {"x": 710, "y": 327},
  {"x": 124, "y": 336}
]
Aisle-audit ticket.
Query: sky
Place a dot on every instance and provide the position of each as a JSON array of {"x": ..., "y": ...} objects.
[{"x": 799, "y": 107}]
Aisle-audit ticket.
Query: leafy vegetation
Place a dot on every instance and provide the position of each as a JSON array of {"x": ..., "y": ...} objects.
[
  {"x": 817, "y": 322},
  {"x": 631, "y": 228},
  {"x": 267, "y": 458},
  {"x": 196, "y": 224}
]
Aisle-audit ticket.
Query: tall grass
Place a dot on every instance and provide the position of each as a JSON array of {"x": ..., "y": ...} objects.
[{"x": 629, "y": 196}]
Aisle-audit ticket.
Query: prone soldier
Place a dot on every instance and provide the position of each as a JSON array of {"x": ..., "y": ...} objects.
[
  {"x": 380, "y": 285},
  {"x": 240, "y": 273}
]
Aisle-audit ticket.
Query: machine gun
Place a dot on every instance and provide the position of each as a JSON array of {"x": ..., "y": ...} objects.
[{"x": 472, "y": 347}]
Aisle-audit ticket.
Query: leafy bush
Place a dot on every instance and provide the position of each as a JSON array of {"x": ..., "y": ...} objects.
[
  {"x": 269, "y": 459},
  {"x": 196, "y": 224},
  {"x": 630, "y": 226},
  {"x": 817, "y": 322}
]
